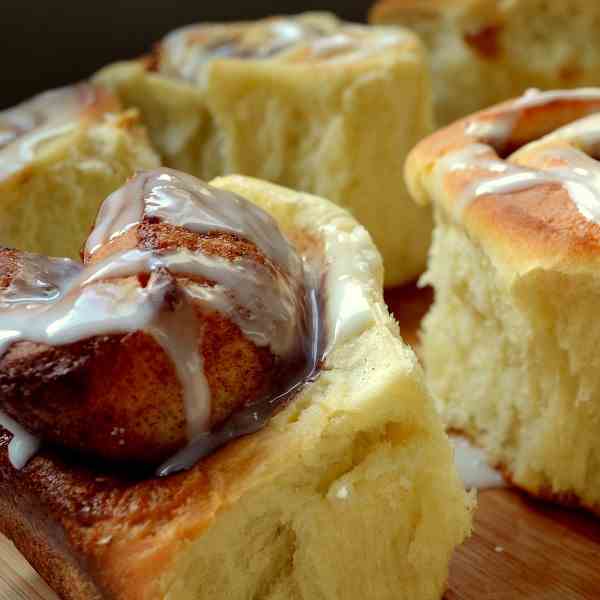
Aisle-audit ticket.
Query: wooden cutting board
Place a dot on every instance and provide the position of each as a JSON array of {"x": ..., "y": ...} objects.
[{"x": 521, "y": 548}]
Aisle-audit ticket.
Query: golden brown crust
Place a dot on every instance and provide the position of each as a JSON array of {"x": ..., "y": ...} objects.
[
  {"x": 529, "y": 224},
  {"x": 96, "y": 533}
]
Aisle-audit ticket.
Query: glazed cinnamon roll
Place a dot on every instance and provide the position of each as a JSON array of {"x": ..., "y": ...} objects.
[
  {"x": 61, "y": 154},
  {"x": 483, "y": 52},
  {"x": 308, "y": 101},
  {"x": 219, "y": 381},
  {"x": 509, "y": 344}
]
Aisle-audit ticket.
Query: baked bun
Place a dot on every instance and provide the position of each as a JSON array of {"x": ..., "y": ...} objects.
[
  {"x": 485, "y": 51},
  {"x": 509, "y": 345},
  {"x": 264, "y": 514},
  {"x": 61, "y": 154},
  {"x": 286, "y": 99}
]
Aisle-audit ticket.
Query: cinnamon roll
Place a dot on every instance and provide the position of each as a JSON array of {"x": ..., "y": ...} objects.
[
  {"x": 509, "y": 345},
  {"x": 308, "y": 101},
  {"x": 214, "y": 402},
  {"x": 484, "y": 51},
  {"x": 61, "y": 154}
]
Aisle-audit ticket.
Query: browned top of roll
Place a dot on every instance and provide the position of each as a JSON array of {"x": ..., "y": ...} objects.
[
  {"x": 308, "y": 38},
  {"x": 521, "y": 177}
]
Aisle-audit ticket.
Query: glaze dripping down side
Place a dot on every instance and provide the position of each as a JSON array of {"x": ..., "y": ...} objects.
[
  {"x": 473, "y": 466},
  {"x": 58, "y": 302},
  {"x": 256, "y": 415},
  {"x": 23, "y": 445},
  {"x": 338, "y": 292},
  {"x": 339, "y": 306}
]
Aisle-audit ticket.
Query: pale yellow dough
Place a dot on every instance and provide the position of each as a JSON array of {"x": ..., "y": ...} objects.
[
  {"x": 340, "y": 128},
  {"x": 512, "y": 358}
]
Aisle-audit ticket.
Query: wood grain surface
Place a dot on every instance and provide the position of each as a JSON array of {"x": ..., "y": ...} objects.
[{"x": 521, "y": 547}]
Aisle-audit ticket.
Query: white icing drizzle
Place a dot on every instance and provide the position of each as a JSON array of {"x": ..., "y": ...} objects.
[
  {"x": 39, "y": 279},
  {"x": 348, "y": 272},
  {"x": 468, "y": 158},
  {"x": 473, "y": 467},
  {"x": 336, "y": 44},
  {"x": 66, "y": 302},
  {"x": 496, "y": 127},
  {"x": 23, "y": 445},
  {"x": 534, "y": 97},
  {"x": 186, "y": 52},
  {"x": 492, "y": 131},
  {"x": 555, "y": 163},
  {"x": 353, "y": 42},
  {"x": 26, "y": 127},
  {"x": 349, "y": 279},
  {"x": 579, "y": 175},
  {"x": 267, "y": 302},
  {"x": 184, "y": 201},
  {"x": 82, "y": 312},
  {"x": 583, "y": 133},
  {"x": 177, "y": 333}
]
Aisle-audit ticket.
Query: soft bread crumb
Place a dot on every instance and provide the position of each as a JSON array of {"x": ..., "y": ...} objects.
[{"x": 511, "y": 360}]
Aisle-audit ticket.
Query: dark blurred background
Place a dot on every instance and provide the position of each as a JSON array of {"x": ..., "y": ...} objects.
[{"x": 48, "y": 43}]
